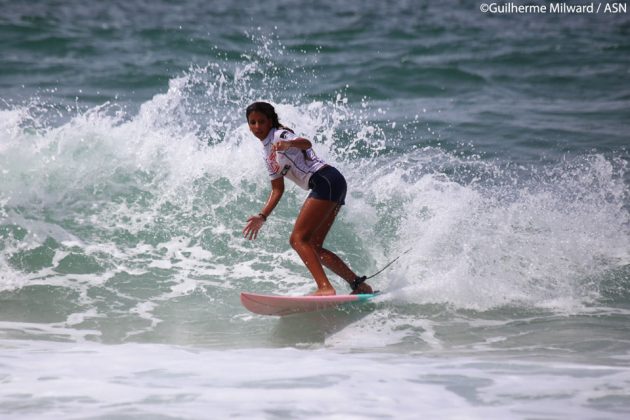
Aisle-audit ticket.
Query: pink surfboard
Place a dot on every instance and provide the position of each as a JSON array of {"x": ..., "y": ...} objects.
[{"x": 287, "y": 305}]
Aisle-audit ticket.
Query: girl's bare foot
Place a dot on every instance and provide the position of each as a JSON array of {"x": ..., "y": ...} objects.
[
  {"x": 362, "y": 289},
  {"x": 325, "y": 291}
]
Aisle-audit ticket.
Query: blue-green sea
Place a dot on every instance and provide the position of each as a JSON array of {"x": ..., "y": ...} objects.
[{"x": 488, "y": 151}]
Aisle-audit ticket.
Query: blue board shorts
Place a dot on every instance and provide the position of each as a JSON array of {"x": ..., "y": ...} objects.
[{"x": 328, "y": 184}]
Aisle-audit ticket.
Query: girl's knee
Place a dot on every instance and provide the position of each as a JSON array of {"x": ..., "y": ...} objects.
[
  {"x": 297, "y": 239},
  {"x": 317, "y": 246}
]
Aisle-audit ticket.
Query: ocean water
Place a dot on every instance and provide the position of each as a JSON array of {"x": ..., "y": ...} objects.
[{"x": 488, "y": 151}]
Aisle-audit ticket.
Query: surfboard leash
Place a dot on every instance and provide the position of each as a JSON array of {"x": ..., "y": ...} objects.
[
  {"x": 357, "y": 281},
  {"x": 388, "y": 264}
]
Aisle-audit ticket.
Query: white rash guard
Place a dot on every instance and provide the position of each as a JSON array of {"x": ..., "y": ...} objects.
[{"x": 294, "y": 163}]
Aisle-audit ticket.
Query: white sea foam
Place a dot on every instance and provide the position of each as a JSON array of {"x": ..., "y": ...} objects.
[{"x": 157, "y": 380}]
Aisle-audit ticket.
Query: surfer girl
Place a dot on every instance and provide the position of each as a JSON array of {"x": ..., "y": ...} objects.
[{"x": 290, "y": 156}]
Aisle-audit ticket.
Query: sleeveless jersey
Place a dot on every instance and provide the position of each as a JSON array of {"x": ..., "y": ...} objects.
[{"x": 294, "y": 163}]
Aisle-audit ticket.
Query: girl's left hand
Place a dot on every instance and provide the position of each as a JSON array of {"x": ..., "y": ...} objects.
[
  {"x": 281, "y": 146},
  {"x": 252, "y": 227}
]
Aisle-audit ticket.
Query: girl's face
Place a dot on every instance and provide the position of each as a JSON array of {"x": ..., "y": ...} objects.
[{"x": 259, "y": 124}]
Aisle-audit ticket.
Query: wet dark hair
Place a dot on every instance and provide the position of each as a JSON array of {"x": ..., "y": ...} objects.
[{"x": 268, "y": 111}]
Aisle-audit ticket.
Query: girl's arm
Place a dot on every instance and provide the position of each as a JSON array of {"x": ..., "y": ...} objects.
[
  {"x": 254, "y": 223},
  {"x": 277, "y": 189},
  {"x": 299, "y": 142}
]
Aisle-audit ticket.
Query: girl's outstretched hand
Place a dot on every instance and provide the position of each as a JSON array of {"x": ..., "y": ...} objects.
[{"x": 252, "y": 227}]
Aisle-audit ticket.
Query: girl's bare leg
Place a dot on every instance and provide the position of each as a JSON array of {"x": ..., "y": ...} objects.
[
  {"x": 314, "y": 231},
  {"x": 329, "y": 258},
  {"x": 312, "y": 215}
]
